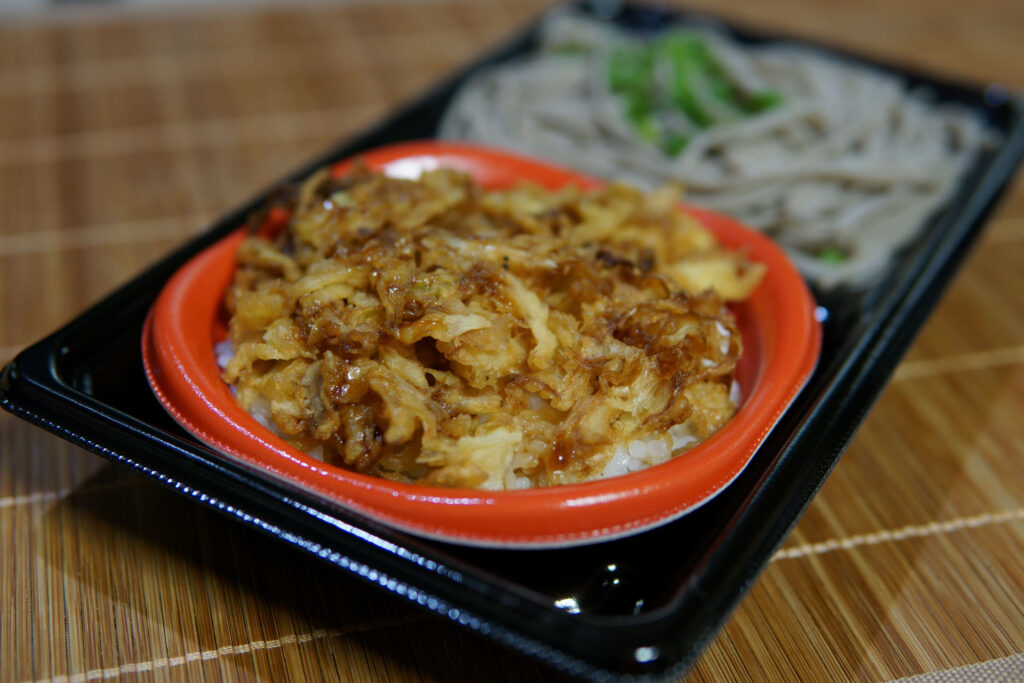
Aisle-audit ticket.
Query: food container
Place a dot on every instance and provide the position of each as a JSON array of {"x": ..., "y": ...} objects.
[{"x": 781, "y": 340}]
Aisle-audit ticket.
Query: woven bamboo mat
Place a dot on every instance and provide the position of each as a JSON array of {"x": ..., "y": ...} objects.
[{"x": 122, "y": 134}]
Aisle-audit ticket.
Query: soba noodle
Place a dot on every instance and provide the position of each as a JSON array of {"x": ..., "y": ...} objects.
[{"x": 842, "y": 170}]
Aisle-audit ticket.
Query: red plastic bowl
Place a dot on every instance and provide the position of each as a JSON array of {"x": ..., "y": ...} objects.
[{"x": 781, "y": 344}]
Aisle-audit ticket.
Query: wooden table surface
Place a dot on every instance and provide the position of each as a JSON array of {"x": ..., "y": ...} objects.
[{"x": 121, "y": 133}]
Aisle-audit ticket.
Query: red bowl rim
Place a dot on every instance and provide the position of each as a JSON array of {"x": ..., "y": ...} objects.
[{"x": 782, "y": 340}]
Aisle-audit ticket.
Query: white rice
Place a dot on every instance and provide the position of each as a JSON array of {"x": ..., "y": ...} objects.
[
  {"x": 643, "y": 453},
  {"x": 224, "y": 351}
]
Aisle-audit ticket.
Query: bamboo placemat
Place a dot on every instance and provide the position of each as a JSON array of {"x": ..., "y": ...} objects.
[{"x": 122, "y": 134}]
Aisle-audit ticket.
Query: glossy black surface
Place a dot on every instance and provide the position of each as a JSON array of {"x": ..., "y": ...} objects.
[{"x": 644, "y": 604}]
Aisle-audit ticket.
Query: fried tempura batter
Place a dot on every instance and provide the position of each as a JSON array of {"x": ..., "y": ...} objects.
[{"x": 431, "y": 331}]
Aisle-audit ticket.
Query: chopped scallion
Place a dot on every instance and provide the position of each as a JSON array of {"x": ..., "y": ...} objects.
[{"x": 831, "y": 255}]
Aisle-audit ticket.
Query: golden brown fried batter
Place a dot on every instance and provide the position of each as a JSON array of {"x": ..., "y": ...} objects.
[{"x": 431, "y": 331}]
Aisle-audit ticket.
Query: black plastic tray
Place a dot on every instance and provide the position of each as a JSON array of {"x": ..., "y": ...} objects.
[{"x": 645, "y": 605}]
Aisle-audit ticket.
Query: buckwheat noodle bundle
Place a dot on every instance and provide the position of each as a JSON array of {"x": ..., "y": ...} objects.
[{"x": 842, "y": 164}]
